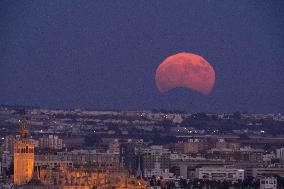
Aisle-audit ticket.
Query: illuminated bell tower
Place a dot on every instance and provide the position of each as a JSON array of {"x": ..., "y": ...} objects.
[{"x": 23, "y": 156}]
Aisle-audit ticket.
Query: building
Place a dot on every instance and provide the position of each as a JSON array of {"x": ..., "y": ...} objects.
[
  {"x": 280, "y": 153},
  {"x": 245, "y": 154},
  {"x": 8, "y": 144},
  {"x": 222, "y": 144},
  {"x": 193, "y": 146},
  {"x": 155, "y": 161},
  {"x": 113, "y": 146},
  {"x": 51, "y": 161},
  {"x": 50, "y": 142},
  {"x": 130, "y": 153},
  {"x": 268, "y": 183},
  {"x": 234, "y": 145},
  {"x": 268, "y": 157},
  {"x": 267, "y": 171},
  {"x": 185, "y": 166},
  {"x": 178, "y": 147},
  {"x": 7, "y": 152},
  {"x": 220, "y": 173},
  {"x": 104, "y": 161},
  {"x": 84, "y": 177},
  {"x": 23, "y": 157},
  {"x": 6, "y": 159},
  {"x": 189, "y": 147}
]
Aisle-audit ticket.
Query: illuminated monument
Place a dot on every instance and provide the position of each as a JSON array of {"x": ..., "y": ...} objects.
[{"x": 23, "y": 156}]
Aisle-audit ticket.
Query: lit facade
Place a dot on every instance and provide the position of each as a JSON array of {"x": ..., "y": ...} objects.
[
  {"x": 23, "y": 157},
  {"x": 88, "y": 178},
  {"x": 193, "y": 146},
  {"x": 222, "y": 144}
]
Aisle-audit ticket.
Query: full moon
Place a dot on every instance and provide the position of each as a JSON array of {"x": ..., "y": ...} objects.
[{"x": 185, "y": 70}]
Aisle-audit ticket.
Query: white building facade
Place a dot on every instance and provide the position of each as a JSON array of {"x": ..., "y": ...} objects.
[
  {"x": 268, "y": 183},
  {"x": 280, "y": 153}
]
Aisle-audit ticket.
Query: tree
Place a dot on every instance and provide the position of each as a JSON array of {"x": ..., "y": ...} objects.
[
  {"x": 224, "y": 185},
  {"x": 280, "y": 181},
  {"x": 183, "y": 183},
  {"x": 170, "y": 185}
]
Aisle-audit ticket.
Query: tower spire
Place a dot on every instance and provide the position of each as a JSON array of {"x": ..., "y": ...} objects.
[
  {"x": 24, "y": 128},
  {"x": 139, "y": 172}
]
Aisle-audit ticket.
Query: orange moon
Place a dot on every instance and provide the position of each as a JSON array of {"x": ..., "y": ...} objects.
[{"x": 185, "y": 70}]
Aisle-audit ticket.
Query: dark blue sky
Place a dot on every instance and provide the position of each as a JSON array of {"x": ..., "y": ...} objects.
[{"x": 103, "y": 54}]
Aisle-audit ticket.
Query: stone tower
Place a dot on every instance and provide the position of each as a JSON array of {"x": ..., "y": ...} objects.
[{"x": 23, "y": 156}]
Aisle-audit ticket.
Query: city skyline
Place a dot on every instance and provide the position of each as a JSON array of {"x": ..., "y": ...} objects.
[{"x": 56, "y": 148}]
